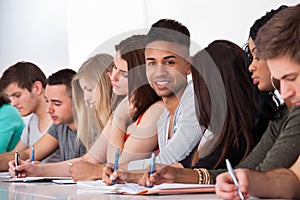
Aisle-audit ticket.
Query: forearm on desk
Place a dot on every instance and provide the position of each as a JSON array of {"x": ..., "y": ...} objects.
[
  {"x": 4, "y": 159},
  {"x": 8, "y": 156},
  {"x": 55, "y": 169},
  {"x": 278, "y": 183},
  {"x": 184, "y": 175}
]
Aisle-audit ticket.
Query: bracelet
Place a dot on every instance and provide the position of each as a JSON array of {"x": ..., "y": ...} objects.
[
  {"x": 200, "y": 175},
  {"x": 204, "y": 176}
]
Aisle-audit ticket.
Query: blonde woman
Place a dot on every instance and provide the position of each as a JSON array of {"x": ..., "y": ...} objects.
[{"x": 92, "y": 93}]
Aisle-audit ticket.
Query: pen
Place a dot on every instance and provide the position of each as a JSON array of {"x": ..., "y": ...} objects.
[
  {"x": 116, "y": 164},
  {"x": 152, "y": 167},
  {"x": 16, "y": 162},
  {"x": 231, "y": 172},
  {"x": 32, "y": 154}
]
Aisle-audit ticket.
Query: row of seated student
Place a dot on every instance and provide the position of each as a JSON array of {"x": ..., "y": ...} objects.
[
  {"x": 222, "y": 120},
  {"x": 278, "y": 147}
]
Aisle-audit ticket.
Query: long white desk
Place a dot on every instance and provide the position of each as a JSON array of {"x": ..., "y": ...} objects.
[{"x": 41, "y": 191}]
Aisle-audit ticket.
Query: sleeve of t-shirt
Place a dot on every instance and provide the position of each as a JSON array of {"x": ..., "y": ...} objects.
[
  {"x": 286, "y": 148},
  {"x": 279, "y": 146},
  {"x": 274, "y": 152},
  {"x": 26, "y": 133},
  {"x": 53, "y": 131}
]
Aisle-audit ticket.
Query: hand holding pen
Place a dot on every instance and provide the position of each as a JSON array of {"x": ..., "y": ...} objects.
[
  {"x": 235, "y": 181},
  {"x": 152, "y": 167},
  {"x": 116, "y": 164}
]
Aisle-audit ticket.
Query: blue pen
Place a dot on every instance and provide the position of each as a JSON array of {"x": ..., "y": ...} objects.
[
  {"x": 116, "y": 164},
  {"x": 236, "y": 183},
  {"x": 32, "y": 154},
  {"x": 152, "y": 167}
]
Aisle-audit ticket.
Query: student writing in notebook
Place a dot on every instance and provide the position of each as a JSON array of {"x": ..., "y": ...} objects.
[
  {"x": 279, "y": 145},
  {"x": 24, "y": 83},
  {"x": 280, "y": 49},
  {"x": 167, "y": 66}
]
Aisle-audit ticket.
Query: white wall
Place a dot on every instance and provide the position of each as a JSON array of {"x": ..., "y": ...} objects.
[
  {"x": 33, "y": 30},
  {"x": 64, "y": 33}
]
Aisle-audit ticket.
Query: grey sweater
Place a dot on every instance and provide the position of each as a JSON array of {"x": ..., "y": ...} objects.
[{"x": 278, "y": 147}]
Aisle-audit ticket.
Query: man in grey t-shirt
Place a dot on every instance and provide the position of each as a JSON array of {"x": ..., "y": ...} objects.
[
  {"x": 70, "y": 147},
  {"x": 62, "y": 134}
]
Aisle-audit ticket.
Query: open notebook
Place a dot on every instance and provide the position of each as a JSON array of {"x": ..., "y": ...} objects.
[{"x": 131, "y": 188}]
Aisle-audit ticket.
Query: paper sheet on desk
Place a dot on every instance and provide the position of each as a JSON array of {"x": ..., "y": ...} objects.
[
  {"x": 4, "y": 175},
  {"x": 38, "y": 179},
  {"x": 167, "y": 188},
  {"x": 131, "y": 188},
  {"x": 99, "y": 186}
]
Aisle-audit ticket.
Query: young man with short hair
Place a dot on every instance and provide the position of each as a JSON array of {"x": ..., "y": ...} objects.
[
  {"x": 24, "y": 83},
  {"x": 167, "y": 66}
]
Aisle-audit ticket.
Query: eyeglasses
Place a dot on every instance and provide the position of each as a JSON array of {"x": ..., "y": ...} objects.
[{"x": 275, "y": 83}]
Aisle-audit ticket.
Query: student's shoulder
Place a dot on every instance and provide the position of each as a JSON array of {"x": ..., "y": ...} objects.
[
  {"x": 9, "y": 112},
  {"x": 57, "y": 128},
  {"x": 188, "y": 92},
  {"x": 155, "y": 109},
  {"x": 294, "y": 114},
  {"x": 295, "y": 110},
  {"x": 158, "y": 104},
  {"x": 34, "y": 119}
]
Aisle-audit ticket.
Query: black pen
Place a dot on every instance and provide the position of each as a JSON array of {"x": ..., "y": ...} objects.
[{"x": 17, "y": 157}]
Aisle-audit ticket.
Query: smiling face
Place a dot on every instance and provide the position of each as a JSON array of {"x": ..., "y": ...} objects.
[
  {"x": 59, "y": 104},
  {"x": 260, "y": 72},
  {"x": 26, "y": 102},
  {"x": 91, "y": 93},
  {"x": 119, "y": 76},
  {"x": 287, "y": 71},
  {"x": 166, "y": 70}
]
